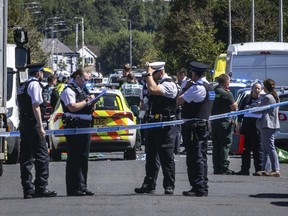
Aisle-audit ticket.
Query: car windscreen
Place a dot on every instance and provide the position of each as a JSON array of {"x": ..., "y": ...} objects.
[{"x": 109, "y": 102}]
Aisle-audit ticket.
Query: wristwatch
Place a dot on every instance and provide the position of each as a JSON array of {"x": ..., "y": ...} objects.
[{"x": 86, "y": 100}]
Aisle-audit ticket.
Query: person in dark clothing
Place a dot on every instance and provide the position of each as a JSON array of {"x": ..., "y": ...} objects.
[
  {"x": 47, "y": 92},
  {"x": 160, "y": 141},
  {"x": 247, "y": 127},
  {"x": 33, "y": 148},
  {"x": 77, "y": 110},
  {"x": 222, "y": 128},
  {"x": 196, "y": 99}
]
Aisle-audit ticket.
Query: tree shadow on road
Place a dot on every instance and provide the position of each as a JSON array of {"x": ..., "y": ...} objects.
[
  {"x": 273, "y": 196},
  {"x": 270, "y": 195}
]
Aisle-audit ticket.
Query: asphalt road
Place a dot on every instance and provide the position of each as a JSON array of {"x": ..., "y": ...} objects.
[{"x": 113, "y": 180}]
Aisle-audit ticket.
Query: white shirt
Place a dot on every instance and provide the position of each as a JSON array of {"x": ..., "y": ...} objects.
[
  {"x": 183, "y": 82},
  {"x": 195, "y": 93},
  {"x": 68, "y": 96},
  {"x": 169, "y": 88},
  {"x": 34, "y": 90}
]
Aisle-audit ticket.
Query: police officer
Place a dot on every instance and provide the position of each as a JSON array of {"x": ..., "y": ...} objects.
[
  {"x": 197, "y": 100},
  {"x": 160, "y": 141},
  {"x": 126, "y": 71},
  {"x": 77, "y": 110},
  {"x": 33, "y": 146}
]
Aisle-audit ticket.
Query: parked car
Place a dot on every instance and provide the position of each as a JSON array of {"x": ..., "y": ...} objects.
[
  {"x": 281, "y": 136},
  {"x": 111, "y": 110}
]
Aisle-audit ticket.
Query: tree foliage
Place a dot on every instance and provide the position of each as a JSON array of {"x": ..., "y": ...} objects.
[
  {"x": 177, "y": 32},
  {"x": 189, "y": 36}
]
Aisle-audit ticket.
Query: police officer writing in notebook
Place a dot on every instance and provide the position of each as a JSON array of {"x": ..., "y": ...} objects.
[
  {"x": 33, "y": 146},
  {"x": 197, "y": 100},
  {"x": 160, "y": 141},
  {"x": 77, "y": 110}
]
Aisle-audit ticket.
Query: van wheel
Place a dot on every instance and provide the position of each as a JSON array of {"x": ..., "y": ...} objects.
[
  {"x": 13, "y": 158},
  {"x": 130, "y": 154},
  {"x": 55, "y": 154}
]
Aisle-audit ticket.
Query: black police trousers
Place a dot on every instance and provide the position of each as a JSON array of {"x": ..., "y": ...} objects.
[
  {"x": 78, "y": 148},
  {"x": 33, "y": 152},
  {"x": 159, "y": 149},
  {"x": 196, "y": 140}
]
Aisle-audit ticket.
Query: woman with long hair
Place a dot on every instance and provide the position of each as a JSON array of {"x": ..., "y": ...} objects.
[{"x": 268, "y": 124}]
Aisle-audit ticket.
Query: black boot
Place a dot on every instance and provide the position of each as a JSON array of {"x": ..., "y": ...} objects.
[{"x": 145, "y": 188}]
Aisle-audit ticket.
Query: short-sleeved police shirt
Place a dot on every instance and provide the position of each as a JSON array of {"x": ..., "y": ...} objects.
[
  {"x": 169, "y": 88},
  {"x": 34, "y": 90}
]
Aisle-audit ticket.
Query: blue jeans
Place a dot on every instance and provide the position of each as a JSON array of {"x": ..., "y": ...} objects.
[{"x": 268, "y": 147}]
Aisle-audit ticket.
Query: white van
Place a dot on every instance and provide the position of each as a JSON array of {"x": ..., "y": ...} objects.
[
  {"x": 258, "y": 60},
  {"x": 13, "y": 143}
]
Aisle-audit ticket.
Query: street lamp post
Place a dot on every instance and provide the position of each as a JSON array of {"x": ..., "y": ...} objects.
[
  {"x": 230, "y": 28},
  {"x": 82, "y": 24},
  {"x": 280, "y": 20},
  {"x": 130, "y": 39},
  {"x": 56, "y": 22},
  {"x": 52, "y": 31},
  {"x": 252, "y": 21}
]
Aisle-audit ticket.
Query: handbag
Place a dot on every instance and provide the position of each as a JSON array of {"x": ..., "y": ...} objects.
[{"x": 237, "y": 146}]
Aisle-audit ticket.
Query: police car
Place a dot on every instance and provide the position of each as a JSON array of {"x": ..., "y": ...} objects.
[{"x": 111, "y": 110}]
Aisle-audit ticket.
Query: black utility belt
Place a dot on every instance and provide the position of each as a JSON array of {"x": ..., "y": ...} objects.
[
  {"x": 26, "y": 116},
  {"x": 75, "y": 121},
  {"x": 160, "y": 117},
  {"x": 197, "y": 123}
]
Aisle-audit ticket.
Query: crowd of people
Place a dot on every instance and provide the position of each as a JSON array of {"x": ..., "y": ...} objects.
[{"x": 187, "y": 95}]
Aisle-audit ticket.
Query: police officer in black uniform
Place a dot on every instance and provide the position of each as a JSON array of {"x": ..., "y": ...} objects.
[
  {"x": 33, "y": 146},
  {"x": 77, "y": 110},
  {"x": 160, "y": 141},
  {"x": 197, "y": 100}
]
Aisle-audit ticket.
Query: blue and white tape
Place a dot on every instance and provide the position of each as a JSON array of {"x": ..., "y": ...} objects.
[{"x": 143, "y": 126}]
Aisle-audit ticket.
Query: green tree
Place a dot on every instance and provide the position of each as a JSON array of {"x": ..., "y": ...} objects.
[
  {"x": 266, "y": 20},
  {"x": 18, "y": 16},
  {"x": 115, "y": 51},
  {"x": 188, "y": 35}
]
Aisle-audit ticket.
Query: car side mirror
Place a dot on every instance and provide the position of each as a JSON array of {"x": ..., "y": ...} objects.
[
  {"x": 21, "y": 57},
  {"x": 20, "y": 36}
]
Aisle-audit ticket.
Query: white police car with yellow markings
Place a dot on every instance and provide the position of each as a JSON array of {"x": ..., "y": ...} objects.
[{"x": 111, "y": 110}]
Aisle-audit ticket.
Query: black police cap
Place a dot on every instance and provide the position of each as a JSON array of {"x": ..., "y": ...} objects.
[
  {"x": 35, "y": 67},
  {"x": 198, "y": 67}
]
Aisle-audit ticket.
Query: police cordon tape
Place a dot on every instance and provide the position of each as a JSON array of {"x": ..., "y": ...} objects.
[{"x": 72, "y": 131}]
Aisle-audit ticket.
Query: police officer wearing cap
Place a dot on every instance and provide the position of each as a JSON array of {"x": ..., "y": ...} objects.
[
  {"x": 77, "y": 110},
  {"x": 197, "y": 100},
  {"x": 33, "y": 148},
  {"x": 160, "y": 141}
]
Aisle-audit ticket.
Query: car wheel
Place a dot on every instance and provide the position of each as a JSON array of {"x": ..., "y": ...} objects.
[
  {"x": 55, "y": 154},
  {"x": 13, "y": 157},
  {"x": 130, "y": 154}
]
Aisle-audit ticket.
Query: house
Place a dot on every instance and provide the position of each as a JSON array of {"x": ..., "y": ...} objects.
[
  {"x": 89, "y": 56},
  {"x": 64, "y": 58}
]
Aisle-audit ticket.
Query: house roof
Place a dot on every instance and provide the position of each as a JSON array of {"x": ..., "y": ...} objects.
[
  {"x": 88, "y": 50},
  {"x": 59, "y": 47}
]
